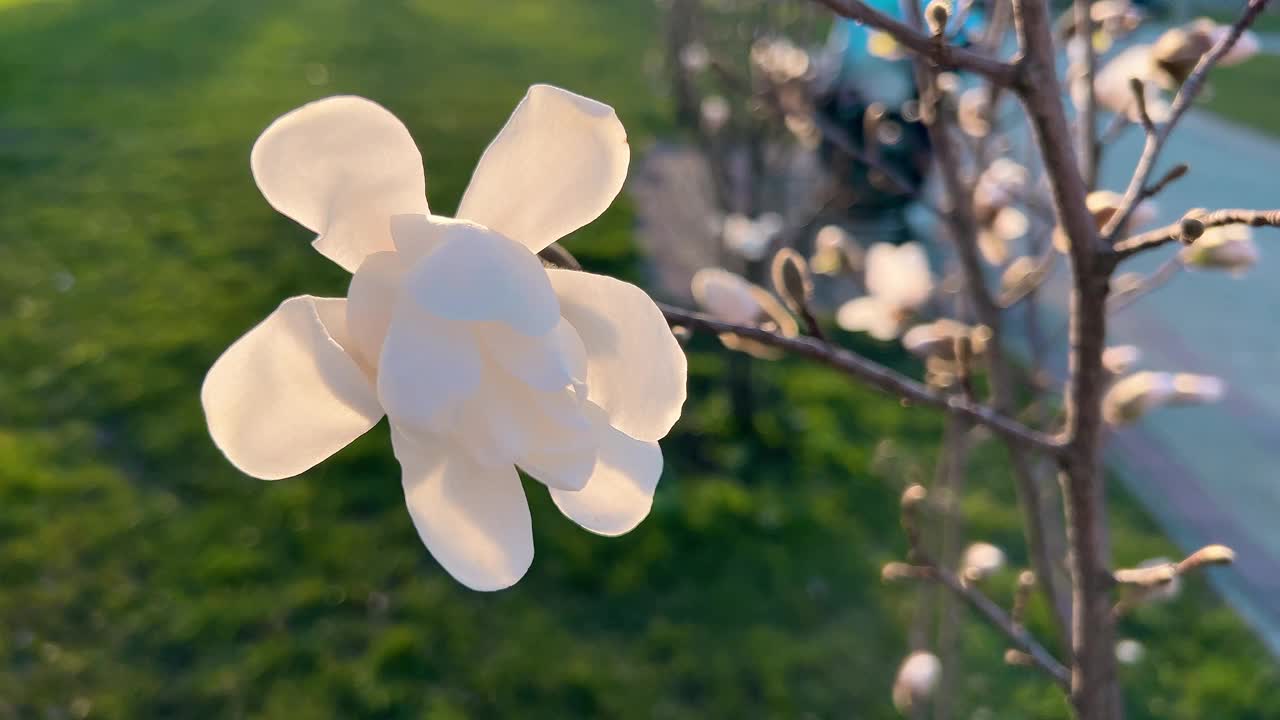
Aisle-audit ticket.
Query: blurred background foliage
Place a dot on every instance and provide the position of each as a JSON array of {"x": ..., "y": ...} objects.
[{"x": 142, "y": 577}]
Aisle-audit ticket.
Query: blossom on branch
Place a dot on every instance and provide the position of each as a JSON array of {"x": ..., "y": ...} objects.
[
  {"x": 1227, "y": 247},
  {"x": 483, "y": 360},
  {"x": 898, "y": 283},
  {"x": 733, "y": 299}
]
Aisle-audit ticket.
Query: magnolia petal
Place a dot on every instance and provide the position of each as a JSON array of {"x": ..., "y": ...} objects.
[
  {"x": 619, "y": 491},
  {"x": 342, "y": 167},
  {"x": 899, "y": 274},
  {"x": 287, "y": 395},
  {"x": 636, "y": 370},
  {"x": 473, "y": 517},
  {"x": 544, "y": 432},
  {"x": 558, "y": 163},
  {"x": 478, "y": 275},
  {"x": 371, "y": 297},
  {"x": 545, "y": 362},
  {"x": 427, "y": 370},
  {"x": 870, "y": 315}
]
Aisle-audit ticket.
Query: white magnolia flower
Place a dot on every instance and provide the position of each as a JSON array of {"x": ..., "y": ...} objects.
[
  {"x": 972, "y": 111},
  {"x": 749, "y": 238},
  {"x": 732, "y": 298},
  {"x": 994, "y": 238},
  {"x": 898, "y": 283},
  {"x": 1024, "y": 269},
  {"x": 482, "y": 359},
  {"x": 1228, "y": 247},
  {"x": 917, "y": 678},
  {"x": 981, "y": 560},
  {"x": 938, "y": 339},
  {"x": 1113, "y": 91},
  {"x": 1135, "y": 395},
  {"x": 999, "y": 185},
  {"x": 779, "y": 59}
]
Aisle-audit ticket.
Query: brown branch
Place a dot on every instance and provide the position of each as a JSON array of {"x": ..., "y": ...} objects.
[
  {"x": 873, "y": 374},
  {"x": 942, "y": 54},
  {"x": 1186, "y": 95},
  {"x": 1174, "y": 232},
  {"x": 1000, "y": 620}
]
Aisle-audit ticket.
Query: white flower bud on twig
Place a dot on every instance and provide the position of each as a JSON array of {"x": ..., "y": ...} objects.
[
  {"x": 981, "y": 560},
  {"x": 917, "y": 678}
]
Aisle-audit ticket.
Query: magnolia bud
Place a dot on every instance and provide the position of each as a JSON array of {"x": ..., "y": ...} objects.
[
  {"x": 981, "y": 560},
  {"x": 834, "y": 252},
  {"x": 791, "y": 279},
  {"x": 917, "y": 679},
  {"x": 935, "y": 339},
  {"x": 1134, "y": 396},
  {"x": 1229, "y": 247},
  {"x": 1207, "y": 555},
  {"x": 936, "y": 15},
  {"x": 1191, "y": 229},
  {"x": 913, "y": 496}
]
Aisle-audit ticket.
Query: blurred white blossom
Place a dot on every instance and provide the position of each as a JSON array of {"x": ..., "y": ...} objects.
[
  {"x": 1227, "y": 247},
  {"x": 1129, "y": 651},
  {"x": 916, "y": 681},
  {"x": 695, "y": 57},
  {"x": 981, "y": 560},
  {"x": 1112, "y": 85},
  {"x": 749, "y": 238},
  {"x": 779, "y": 59},
  {"x": 482, "y": 359},
  {"x": 734, "y": 299},
  {"x": 835, "y": 252},
  {"x": 1136, "y": 395},
  {"x": 898, "y": 282},
  {"x": 715, "y": 113}
]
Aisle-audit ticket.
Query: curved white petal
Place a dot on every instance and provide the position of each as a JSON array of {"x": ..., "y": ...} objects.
[
  {"x": 342, "y": 167},
  {"x": 556, "y": 165},
  {"x": 428, "y": 372},
  {"x": 899, "y": 274},
  {"x": 478, "y": 275},
  {"x": 545, "y": 362},
  {"x": 619, "y": 491},
  {"x": 636, "y": 370},
  {"x": 287, "y": 395},
  {"x": 473, "y": 517},
  {"x": 871, "y": 315},
  {"x": 373, "y": 294},
  {"x": 726, "y": 295}
]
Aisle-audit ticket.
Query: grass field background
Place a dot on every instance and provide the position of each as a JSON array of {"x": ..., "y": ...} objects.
[{"x": 142, "y": 577}]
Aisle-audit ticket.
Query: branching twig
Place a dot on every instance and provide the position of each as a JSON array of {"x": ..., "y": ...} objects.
[
  {"x": 1174, "y": 232},
  {"x": 875, "y": 375},
  {"x": 944, "y": 55},
  {"x": 1186, "y": 95}
]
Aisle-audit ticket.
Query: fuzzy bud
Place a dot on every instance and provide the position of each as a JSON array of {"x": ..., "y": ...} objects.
[
  {"x": 1134, "y": 396},
  {"x": 1206, "y": 556},
  {"x": 936, "y": 15},
  {"x": 1191, "y": 230},
  {"x": 917, "y": 678},
  {"x": 981, "y": 560},
  {"x": 913, "y": 497}
]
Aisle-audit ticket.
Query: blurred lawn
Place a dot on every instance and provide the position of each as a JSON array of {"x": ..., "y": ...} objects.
[
  {"x": 142, "y": 577},
  {"x": 1246, "y": 93}
]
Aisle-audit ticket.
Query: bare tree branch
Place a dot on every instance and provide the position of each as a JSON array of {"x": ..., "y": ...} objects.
[
  {"x": 1186, "y": 95},
  {"x": 1174, "y": 233},
  {"x": 873, "y": 374},
  {"x": 943, "y": 54}
]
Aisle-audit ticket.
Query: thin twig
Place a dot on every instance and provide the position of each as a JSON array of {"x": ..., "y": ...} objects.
[
  {"x": 944, "y": 55},
  {"x": 1173, "y": 233},
  {"x": 1000, "y": 620},
  {"x": 1186, "y": 95},
  {"x": 873, "y": 374}
]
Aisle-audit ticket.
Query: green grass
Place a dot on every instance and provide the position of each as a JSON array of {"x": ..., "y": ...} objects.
[
  {"x": 1244, "y": 93},
  {"x": 142, "y": 577}
]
